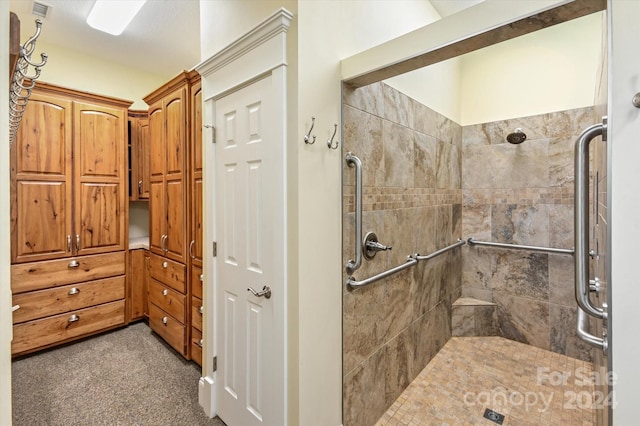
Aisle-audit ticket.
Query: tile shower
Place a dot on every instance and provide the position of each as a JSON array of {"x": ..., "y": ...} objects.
[{"x": 427, "y": 181}]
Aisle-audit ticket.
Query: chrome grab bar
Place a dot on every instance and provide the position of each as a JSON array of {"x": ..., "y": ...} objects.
[
  {"x": 411, "y": 260},
  {"x": 353, "y": 265},
  {"x": 437, "y": 253},
  {"x": 581, "y": 220},
  {"x": 585, "y": 336},
  {"x": 552, "y": 250}
]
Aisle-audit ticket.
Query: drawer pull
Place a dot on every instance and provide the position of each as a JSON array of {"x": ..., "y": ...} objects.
[
  {"x": 164, "y": 320},
  {"x": 199, "y": 343},
  {"x": 165, "y": 265},
  {"x": 201, "y": 277},
  {"x": 73, "y": 291},
  {"x": 165, "y": 292},
  {"x": 74, "y": 264},
  {"x": 201, "y": 310},
  {"x": 74, "y": 318}
]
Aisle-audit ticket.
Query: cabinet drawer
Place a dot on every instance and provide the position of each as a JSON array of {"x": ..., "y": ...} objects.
[
  {"x": 196, "y": 283},
  {"x": 196, "y": 315},
  {"x": 44, "y": 303},
  {"x": 40, "y": 333},
  {"x": 168, "y": 328},
  {"x": 55, "y": 273},
  {"x": 168, "y": 300},
  {"x": 168, "y": 272},
  {"x": 196, "y": 346}
]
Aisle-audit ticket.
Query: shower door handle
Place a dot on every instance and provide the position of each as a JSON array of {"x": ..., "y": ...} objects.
[{"x": 581, "y": 220}]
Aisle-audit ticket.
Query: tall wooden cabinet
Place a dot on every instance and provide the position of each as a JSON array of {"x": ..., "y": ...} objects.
[
  {"x": 195, "y": 230},
  {"x": 171, "y": 136},
  {"x": 68, "y": 217}
]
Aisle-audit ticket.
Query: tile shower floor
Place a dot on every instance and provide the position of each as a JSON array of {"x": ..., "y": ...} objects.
[{"x": 528, "y": 385}]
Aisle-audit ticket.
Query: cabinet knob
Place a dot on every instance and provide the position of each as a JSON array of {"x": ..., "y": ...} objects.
[
  {"x": 164, "y": 320},
  {"x": 73, "y": 264},
  {"x": 199, "y": 343},
  {"x": 201, "y": 277},
  {"x": 201, "y": 310},
  {"x": 165, "y": 265},
  {"x": 165, "y": 292},
  {"x": 73, "y": 291},
  {"x": 74, "y": 318}
]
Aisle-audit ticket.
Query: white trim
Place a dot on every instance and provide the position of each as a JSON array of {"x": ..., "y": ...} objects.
[
  {"x": 257, "y": 52},
  {"x": 260, "y": 52}
]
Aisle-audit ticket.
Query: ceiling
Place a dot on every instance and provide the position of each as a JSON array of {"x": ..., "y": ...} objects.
[{"x": 163, "y": 38}]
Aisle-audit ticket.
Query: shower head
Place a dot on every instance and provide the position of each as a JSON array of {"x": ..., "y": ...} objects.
[{"x": 517, "y": 137}]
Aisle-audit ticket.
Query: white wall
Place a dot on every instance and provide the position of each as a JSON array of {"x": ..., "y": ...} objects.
[
  {"x": 5, "y": 254},
  {"x": 76, "y": 70},
  {"x": 624, "y": 187},
  {"x": 327, "y": 31},
  {"x": 549, "y": 70}
]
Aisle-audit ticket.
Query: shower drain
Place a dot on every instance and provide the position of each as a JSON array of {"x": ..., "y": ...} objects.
[{"x": 494, "y": 416}]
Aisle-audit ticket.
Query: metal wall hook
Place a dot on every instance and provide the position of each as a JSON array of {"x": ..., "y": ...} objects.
[
  {"x": 330, "y": 141},
  {"x": 308, "y": 136}
]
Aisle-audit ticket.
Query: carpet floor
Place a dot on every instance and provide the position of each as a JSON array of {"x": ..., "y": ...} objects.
[{"x": 124, "y": 377}]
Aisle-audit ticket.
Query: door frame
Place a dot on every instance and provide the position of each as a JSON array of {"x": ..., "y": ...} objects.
[{"x": 258, "y": 53}]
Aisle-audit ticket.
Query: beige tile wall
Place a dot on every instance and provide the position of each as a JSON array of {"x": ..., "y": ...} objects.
[
  {"x": 523, "y": 194},
  {"x": 412, "y": 201}
]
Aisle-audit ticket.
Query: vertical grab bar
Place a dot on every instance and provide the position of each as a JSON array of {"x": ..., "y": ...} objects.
[
  {"x": 353, "y": 265},
  {"x": 585, "y": 336},
  {"x": 581, "y": 220}
]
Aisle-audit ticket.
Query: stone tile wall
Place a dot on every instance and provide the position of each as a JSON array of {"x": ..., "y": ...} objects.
[
  {"x": 523, "y": 194},
  {"x": 412, "y": 201}
]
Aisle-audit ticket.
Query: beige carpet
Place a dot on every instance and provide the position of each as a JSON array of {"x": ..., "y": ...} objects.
[{"x": 125, "y": 377}]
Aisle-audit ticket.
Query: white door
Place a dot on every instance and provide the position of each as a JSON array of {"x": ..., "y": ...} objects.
[{"x": 249, "y": 217}]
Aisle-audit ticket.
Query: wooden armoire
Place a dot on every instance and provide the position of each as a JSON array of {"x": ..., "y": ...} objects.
[
  {"x": 69, "y": 210},
  {"x": 175, "y": 264}
]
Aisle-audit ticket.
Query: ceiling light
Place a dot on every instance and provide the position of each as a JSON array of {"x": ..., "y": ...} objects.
[{"x": 113, "y": 16}]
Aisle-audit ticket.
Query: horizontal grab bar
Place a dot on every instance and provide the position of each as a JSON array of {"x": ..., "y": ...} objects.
[
  {"x": 411, "y": 260},
  {"x": 552, "y": 250},
  {"x": 352, "y": 283},
  {"x": 441, "y": 251},
  {"x": 585, "y": 336}
]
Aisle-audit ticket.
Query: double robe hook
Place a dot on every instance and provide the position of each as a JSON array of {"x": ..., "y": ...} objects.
[{"x": 308, "y": 136}]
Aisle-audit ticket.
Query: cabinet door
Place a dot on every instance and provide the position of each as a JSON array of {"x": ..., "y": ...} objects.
[
  {"x": 138, "y": 281},
  {"x": 143, "y": 158},
  {"x": 157, "y": 193},
  {"x": 175, "y": 240},
  {"x": 41, "y": 181},
  {"x": 100, "y": 177}
]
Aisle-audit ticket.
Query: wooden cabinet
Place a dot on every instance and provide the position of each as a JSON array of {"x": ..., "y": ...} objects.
[
  {"x": 138, "y": 155},
  {"x": 175, "y": 206},
  {"x": 138, "y": 284},
  {"x": 68, "y": 213},
  {"x": 195, "y": 205}
]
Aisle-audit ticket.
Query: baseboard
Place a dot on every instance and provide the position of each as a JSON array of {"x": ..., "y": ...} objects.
[{"x": 207, "y": 396}]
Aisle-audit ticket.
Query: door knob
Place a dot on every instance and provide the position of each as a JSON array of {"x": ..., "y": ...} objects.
[{"x": 266, "y": 292}]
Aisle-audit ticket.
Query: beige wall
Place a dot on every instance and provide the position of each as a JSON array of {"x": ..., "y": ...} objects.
[
  {"x": 5, "y": 288},
  {"x": 79, "y": 71},
  {"x": 323, "y": 33},
  {"x": 550, "y": 70}
]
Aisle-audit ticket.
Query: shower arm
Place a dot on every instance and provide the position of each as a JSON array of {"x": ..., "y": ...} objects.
[
  {"x": 581, "y": 220},
  {"x": 353, "y": 265}
]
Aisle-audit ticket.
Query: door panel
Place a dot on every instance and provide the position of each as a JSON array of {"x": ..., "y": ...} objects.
[
  {"x": 176, "y": 221},
  {"x": 99, "y": 132},
  {"x": 98, "y": 217},
  {"x": 249, "y": 336},
  {"x": 175, "y": 116},
  {"x": 156, "y": 142},
  {"x": 40, "y": 220},
  {"x": 156, "y": 218}
]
